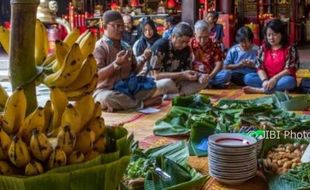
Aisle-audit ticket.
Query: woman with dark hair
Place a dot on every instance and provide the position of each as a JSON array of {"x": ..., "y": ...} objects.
[
  {"x": 240, "y": 59},
  {"x": 276, "y": 63},
  {"x": 148, "y": 38}
]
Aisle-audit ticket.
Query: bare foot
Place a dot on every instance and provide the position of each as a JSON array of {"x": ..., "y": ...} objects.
[
  {"x": 253, "y": 90},
  {"x": 152, "y": 101},
  {"x": 106, "y": 107}
]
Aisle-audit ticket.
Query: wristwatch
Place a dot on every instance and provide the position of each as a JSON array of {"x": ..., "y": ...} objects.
[{"x": 116, "y": 66}]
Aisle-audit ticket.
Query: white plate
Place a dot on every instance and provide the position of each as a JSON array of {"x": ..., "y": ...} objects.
[
  {"x": 230, "y": 156},
  {"x": 232, "y": 140},
  {"x": 235, "y": 167},
  {"x": 232, "y": 149},
  {"x": 237, "y": 171},
  {"x": 233, "y": 175}
]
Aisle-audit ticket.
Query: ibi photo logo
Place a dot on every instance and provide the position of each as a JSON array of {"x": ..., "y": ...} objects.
[{"x": 271, "y": 134}]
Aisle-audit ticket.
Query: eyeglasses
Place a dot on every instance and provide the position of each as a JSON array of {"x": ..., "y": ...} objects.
[{"x": 117, "y": 25}]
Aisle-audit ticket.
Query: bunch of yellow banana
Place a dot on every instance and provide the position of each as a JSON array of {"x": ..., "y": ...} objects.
[
  {"x": 35, "y": 120},
  {"x": 5, "y": 39},
  {"x": 72, "y": 67},
  {"x": 41, "y": 43},
  {"x": 77, "y": 128},
  {"x": 14, "y": 111},
  {"x": 18, "y": 152},
  {"x": 40, "y": 146}
]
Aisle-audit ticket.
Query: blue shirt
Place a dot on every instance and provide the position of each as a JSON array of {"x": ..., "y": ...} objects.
[
  {"x": 235, "y": 55},
  {"x": 167, "y": 33}
]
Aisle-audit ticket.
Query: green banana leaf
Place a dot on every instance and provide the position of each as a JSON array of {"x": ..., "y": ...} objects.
[
  {"x": 240, "y": 104},
  {"x": 298, "y": 103},
  {"x": 103, "y": 172},
  {"x": 175, "y": 123},
  {"x": 172, "y": 159},
  {"x": 194, "y": 101},
  {"x": 201, "y": 130}
]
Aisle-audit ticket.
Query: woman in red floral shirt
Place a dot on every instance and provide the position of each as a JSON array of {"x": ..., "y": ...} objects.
[{"x": 276, "y": 63}]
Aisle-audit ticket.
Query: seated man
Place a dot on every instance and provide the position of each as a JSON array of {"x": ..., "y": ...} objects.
[
  {"x": 116, "y": 64},
  {"x": 208, "y": 57},
  {"x": 171, "y": 63},
  {"x": 131, "y": 33},
  {"x": 241, "y": 58}
]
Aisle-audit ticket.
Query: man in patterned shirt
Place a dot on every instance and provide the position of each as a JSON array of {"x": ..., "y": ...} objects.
[
  {"x": 171, "y": 63},
  {"x": 208, "y": 57}
]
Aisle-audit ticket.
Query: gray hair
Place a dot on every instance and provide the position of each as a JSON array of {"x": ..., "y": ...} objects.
[
  {"x": 182, "y": 29},
  {"x": 201, "y": 25}
]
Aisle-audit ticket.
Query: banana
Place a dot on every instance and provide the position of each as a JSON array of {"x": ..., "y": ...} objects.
[
  {"x": 76, "y": 157},
  {"x": 57, "y": 158},
  {"x": 14, "y": 111},
  {"x": 6, "y": 168},
  {"x": 66, "y": 139},
  {"x": 72, "y": 117},
  {"x": 87, "y": 44},
  {"x": 85, "y": 140},
  {"x": 72, "y": 37},
  {"x": 41, "y": 43},
  {"x": 3, "y": 96},
  {"x": 61, "y": 51},
  {"x": 92, "y": 154},
  {"x": 97, "y": 110},
  {"x": 49, "y": 60},
  {"x": 5, "y": 142},
  {"x": 18, "y": 152},
  {"x": 48, "y": 115},
  {"x": 35, "y": 120},
  {"x": 88, "y": 70},
  {"x": 40, "y": 146},
  {"x": 33, "y": 168},
  {"x": 97, "y": 125},
  {"x": 81, "y": 37},
  {"x": 87, "y": 89},
  {"x": 5, "y": 39},
  {"x": 59, "y": 103},
  {"x": 100, "y": 144},
  {"x": 69, "y": 71},
  {"x": 86, "y": 107}
]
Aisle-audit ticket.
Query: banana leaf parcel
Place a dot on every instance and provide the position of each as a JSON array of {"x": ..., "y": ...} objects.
[
  {"x": 168, "y": 169},
  {"x": 102, "y": 173}
]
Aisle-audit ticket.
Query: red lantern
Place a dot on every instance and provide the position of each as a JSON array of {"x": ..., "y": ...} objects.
[
  {"x": 134, "y": 3},
  {"x": 171, "y": 3}
]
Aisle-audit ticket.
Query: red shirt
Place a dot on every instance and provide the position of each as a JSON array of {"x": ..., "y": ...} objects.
[
  {"x": 275, "y": 61},
  {"x": 205, "y": 57}
]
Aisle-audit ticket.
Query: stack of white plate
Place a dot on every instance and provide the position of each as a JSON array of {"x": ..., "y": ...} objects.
[{"x": 232, "y": 157}]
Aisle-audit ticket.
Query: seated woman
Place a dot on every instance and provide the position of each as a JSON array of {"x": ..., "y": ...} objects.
[
  {"x": 241, "y": 58},
  {"x": 141, "y": 47},
  {"x": 276, "y": 62}
]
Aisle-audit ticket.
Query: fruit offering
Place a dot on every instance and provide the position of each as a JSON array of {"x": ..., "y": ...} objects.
[{"x": 58, "y": 134}]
